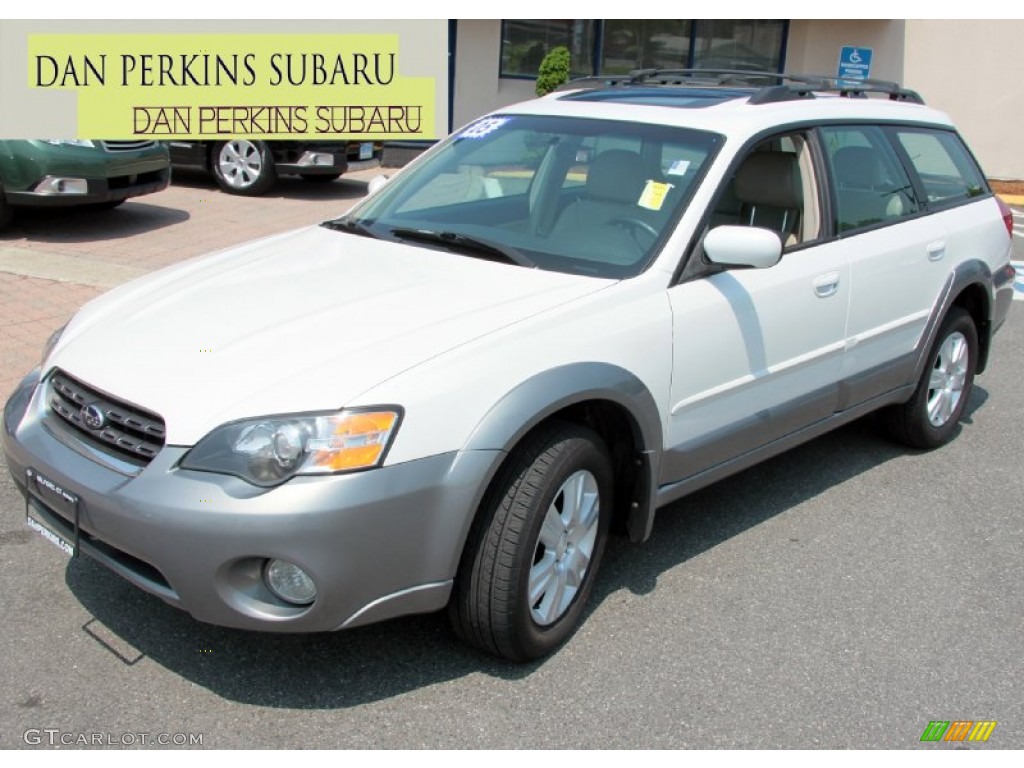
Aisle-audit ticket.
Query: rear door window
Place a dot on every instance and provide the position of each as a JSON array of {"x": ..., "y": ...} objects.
[{"x": 869, "y": 184}]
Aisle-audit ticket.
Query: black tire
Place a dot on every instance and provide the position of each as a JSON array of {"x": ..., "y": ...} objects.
[
  {"x": 491, "y": 606},
  {"x": 320, "y": 178},
  {"x": 243, "y": 166},
  {"x": 912, "y": 422},
  {"x": 5, "y": 211}
]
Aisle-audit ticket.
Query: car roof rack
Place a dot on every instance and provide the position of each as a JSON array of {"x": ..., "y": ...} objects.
[{"x": 771, "y": 87}]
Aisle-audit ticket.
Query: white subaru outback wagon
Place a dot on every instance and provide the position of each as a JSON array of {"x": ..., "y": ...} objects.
[{"x": 566, "y": 315}]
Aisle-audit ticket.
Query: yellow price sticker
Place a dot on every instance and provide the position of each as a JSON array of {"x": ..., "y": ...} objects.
[{"x": 653, "y": 196}]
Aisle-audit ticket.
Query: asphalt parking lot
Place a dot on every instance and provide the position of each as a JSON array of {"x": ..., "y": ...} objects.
[{"x": 843, "y": 595}]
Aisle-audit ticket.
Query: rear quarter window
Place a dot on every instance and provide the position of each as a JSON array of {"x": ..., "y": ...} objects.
[{"x": 946, "y": 169}]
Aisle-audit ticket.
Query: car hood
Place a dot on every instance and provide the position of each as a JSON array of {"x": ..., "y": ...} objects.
[{"x": 299, "y": 322}]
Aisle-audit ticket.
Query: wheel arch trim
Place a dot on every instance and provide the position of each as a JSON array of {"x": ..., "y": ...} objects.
[
  {"x": 966, "y": 276},
  {"x": 540, "y": 397}
]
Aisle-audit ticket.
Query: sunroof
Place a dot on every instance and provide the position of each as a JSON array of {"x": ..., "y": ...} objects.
[{"x": 662, "y": 97}]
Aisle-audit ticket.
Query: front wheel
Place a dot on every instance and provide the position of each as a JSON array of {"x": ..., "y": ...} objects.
[
  {"x": 930, "y": 418},
  {"x": 532, "y": 556},
  {"x": 243, "y": 167}
]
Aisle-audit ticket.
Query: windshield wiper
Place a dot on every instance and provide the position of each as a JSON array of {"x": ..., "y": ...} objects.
[
  {"x": 470, "y": 245},
  {"x": 353, "y": 226}
]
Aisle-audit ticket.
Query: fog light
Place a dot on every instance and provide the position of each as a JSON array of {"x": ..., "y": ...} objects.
[
  {"x": 316, "y": 158},
  {"x": 57, "y": 185},
  {"x": 289, "y": 582}
]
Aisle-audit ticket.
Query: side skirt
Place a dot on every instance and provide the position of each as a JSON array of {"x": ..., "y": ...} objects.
[{"x": 673, "y": 491}]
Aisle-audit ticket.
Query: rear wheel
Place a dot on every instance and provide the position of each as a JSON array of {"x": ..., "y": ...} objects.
[
  {"x": 930, "y": 418},
  {"x": 243, "y": 167},
  {"x": 532, "y": 557}
]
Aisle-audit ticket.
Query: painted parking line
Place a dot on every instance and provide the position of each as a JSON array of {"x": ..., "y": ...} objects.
[{"x": 1018, "y": 281}]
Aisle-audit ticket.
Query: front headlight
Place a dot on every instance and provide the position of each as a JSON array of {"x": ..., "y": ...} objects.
[
  {"x": 70, "y": 142},
  {"x": 268, "y": 451}
]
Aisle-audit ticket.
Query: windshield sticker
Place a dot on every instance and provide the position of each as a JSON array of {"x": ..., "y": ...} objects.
[
  {"x": 679, "y": 168},
  {"x": 653, "y": 196},
  {"x": 483, "y": 127}
]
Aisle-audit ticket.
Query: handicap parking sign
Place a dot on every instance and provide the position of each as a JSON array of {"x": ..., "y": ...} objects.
[
  {"x": 854, "y": 63},
  {"x": 1018, "y": 282}
]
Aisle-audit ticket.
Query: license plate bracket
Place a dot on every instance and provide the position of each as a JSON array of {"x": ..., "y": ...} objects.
[
  {"x": 51, "y": 495},
  {"x": 366, "y": 150}
]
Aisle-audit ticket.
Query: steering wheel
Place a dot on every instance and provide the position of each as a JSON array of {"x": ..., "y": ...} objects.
[{"x": 636, "y": 225}]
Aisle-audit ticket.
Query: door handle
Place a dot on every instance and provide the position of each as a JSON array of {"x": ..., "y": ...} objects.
[
  {"x": 826, "y": 285},
  {"x": 936, "y": 251}
]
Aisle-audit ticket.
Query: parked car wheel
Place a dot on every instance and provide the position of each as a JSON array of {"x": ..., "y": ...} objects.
[
  {"x": 320, "y": 178},
  {"x": 531, "y": 560},
  {"x": 929, "y": 419},
  {"x": 243, "y": 167}
]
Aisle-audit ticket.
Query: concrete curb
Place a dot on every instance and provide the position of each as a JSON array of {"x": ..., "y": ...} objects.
[{"x": 66, "y": 269}]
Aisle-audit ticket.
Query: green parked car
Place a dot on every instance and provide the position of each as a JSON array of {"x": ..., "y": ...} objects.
[{"x": 63, "y": 172}]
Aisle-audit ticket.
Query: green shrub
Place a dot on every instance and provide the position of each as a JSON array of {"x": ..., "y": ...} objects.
[{"x": 554, "y": 70}]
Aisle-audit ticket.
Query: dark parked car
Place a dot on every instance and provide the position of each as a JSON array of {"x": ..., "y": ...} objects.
[
  {"x": 251, "y": 167},
  {"x": 64, "y": 172}
]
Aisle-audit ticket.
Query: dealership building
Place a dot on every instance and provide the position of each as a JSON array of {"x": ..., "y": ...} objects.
[{"x": 958, "y": 66}]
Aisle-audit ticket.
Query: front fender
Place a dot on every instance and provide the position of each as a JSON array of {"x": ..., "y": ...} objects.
[{"x": 545, "y": 394}]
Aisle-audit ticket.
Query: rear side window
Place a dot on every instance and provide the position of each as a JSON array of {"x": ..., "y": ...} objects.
[
  {"x": 948, "y": 173},
  {"x": 869, "y": 184}
]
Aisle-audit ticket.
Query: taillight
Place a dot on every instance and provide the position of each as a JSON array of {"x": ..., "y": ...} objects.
[{"x": 1007, "y": 213}]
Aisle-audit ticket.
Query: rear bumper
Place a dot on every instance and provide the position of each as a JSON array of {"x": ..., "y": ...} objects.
[{"x": 1003, "y": 288}]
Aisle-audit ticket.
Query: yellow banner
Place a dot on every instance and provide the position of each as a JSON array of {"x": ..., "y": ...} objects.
[{"x": 267, "y": 86}]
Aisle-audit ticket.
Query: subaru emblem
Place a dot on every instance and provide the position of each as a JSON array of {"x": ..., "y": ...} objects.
[{"x": 93, "y": 416}]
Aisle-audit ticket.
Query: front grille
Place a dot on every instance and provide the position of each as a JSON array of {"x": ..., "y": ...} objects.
[
  {"x": 127, "y": 430},
  {"x": 127, "y": 146}
]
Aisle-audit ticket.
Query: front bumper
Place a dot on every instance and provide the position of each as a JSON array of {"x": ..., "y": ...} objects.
[
  {"x": 326, "y": 159},
  {"x": 378, "y": 544},
  {"x": 98, "y": 190}
]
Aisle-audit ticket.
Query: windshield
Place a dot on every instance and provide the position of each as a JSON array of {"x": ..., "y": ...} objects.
[{"x": 574, "y": 195}]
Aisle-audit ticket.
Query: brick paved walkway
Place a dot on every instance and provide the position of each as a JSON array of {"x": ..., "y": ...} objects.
[{"x": 52, "y": 262}]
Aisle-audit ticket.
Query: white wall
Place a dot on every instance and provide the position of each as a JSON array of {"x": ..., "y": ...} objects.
[
  {"x": 814, "y": 45},
  {"x": 478, "y": 89},
  {"x": 970, "y": 70}
]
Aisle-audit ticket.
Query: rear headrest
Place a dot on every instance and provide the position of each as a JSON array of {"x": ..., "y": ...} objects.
[
  {"x": 857, "y": 167},
  {"x": 770, "y": 178},
  {"x": 616, "y": 175}
]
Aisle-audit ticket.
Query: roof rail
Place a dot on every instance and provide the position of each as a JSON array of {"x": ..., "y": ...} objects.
[{"x": 772, "y": 86}]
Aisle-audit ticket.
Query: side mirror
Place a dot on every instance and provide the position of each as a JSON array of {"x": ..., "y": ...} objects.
[
  {"x": 733, "y": 246},
  {"x": 376, "y": 183}
]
